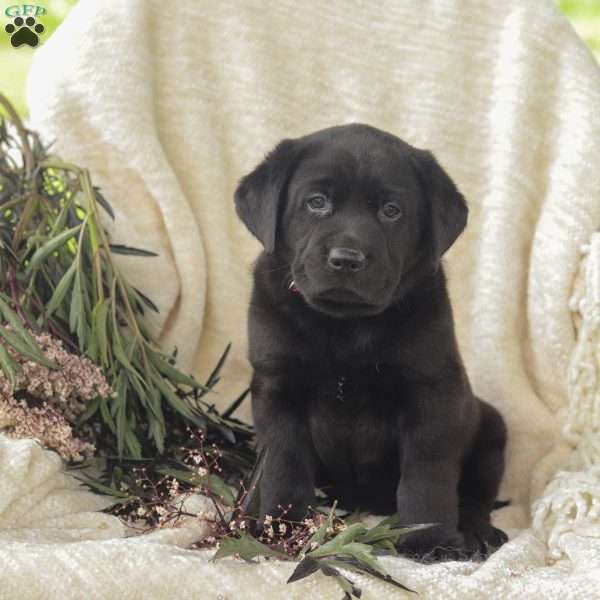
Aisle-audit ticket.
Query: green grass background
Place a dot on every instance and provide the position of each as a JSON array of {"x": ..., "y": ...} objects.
[{"x": 14, "y": 62}]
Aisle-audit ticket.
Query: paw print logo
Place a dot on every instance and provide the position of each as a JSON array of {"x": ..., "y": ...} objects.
[{"x": 24, "y": 31}]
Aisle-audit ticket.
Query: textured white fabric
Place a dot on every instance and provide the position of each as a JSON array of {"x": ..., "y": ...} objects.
[{"x": 169, "y": 107}]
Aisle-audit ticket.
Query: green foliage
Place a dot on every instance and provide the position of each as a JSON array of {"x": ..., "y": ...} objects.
[
  {"x": 353, "y": 548},
  {"x": 58, "y": 274},
  {"x": 580, "y": 8},
  {"x": 246, "y": 547}
]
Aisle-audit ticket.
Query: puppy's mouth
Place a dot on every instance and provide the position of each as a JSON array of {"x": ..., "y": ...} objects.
[{"x": 340, "y": 302}]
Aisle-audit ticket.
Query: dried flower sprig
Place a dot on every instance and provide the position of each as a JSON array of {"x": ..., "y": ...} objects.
[
  {"x": 18, "y": 419},
  {"x": 45, "y": 403},
  {"x": 147, "y": 488},
  {"x": 70, "y": 387},
  {"x": 156, "y": 497}
]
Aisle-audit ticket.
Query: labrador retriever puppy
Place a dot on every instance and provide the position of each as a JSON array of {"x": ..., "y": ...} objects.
[{"x": 358, "y": 383}]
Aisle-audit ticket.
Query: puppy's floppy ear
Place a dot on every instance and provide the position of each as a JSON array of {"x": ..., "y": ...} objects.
[
  {"x": 259, "y": 194},
  {"x": 447, "y": 207}
]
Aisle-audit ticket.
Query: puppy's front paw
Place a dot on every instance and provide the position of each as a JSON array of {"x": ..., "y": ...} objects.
[
  {"x": 484, "y": 539},
  {"x": 434, "y": 544}
]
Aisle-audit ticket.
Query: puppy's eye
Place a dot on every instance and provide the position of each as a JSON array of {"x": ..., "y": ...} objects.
[
  {"x": 391, "y": 211},
  {"x": 318, "y": 203}
]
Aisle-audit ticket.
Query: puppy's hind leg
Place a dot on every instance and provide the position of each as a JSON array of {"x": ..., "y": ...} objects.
[{"x": 480, "y": 480}]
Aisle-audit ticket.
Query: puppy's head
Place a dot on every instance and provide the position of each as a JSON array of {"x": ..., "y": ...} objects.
[{"x": 354, "y": 211}]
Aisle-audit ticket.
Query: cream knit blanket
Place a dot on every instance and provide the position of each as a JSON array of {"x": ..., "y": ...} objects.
[{"x": 168, "y": 104}]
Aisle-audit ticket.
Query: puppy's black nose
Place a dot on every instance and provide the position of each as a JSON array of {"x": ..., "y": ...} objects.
[{"x": 346, "y": 259}]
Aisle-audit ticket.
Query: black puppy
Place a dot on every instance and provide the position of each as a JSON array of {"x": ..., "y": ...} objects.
[{"x": 358, "y": 382}]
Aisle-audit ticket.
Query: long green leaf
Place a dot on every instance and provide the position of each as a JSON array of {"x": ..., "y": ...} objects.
[
  {"x": 174, "y": 374},
  {"x": 157, "y": 434},
  {"x": 214, "y": 376},
  {"x": 120, "y": 403},
  {"x": 61, "y": 220},
  {"x": 106, "y": 416},
  {"x": 61, "y": 290},
  {"x": 150, "y": 399},
  {"x": 133, "y": 444},
  {"x": 349, "y": 562},
  {"x": 101, "y": 200},
  {"x": 363, "y": 553},
  {"x": 306, "y": 567},
  {"x": 178, "y": 404},
  {"x": 121, "y": 249},
  {"x": 76, "y": 301},
  {"x": 9, "y": 365},
  {"x": 20, "y": 346},
  {"x": 344, "y": 537},
  {"x": 156, "y": 427},
  {"x": 18, "y": 326},
  {"x": 100, "y": 330},
  {"x": 52, "y": 245},
  {"x": 247, "y": 548},
  {"x": 83, "y": 329},
  {"x": 98, "y": 486},
  {"x": 228, "y": 412},
  {"x": 119, "y": 352},
  {"x": 145, "y": 300}
]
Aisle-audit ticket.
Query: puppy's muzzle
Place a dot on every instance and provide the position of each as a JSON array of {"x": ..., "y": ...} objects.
[{"x": 346, "y": 260}]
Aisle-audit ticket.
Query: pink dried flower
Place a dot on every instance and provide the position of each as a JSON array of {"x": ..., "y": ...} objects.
[
  {"x": 44, "y": 423},
  {"x": 51, "y": 400}
]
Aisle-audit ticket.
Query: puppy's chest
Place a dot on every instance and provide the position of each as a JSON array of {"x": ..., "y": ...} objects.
[{"x": 352, "y": 417}]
